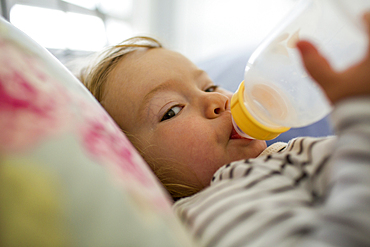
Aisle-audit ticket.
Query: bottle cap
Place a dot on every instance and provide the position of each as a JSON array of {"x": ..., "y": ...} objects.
[{"x": 247, "y": 123}]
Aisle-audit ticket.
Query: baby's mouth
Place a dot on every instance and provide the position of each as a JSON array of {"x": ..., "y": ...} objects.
[{"x": 235, "y": 135}]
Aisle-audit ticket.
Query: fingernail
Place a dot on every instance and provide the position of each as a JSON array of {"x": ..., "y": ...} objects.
[
  {"x": 367, "y": 15},
  {"x": 303, "y": 46}
]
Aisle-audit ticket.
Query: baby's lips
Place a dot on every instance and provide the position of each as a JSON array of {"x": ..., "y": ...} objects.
[{"x": 235, "y": 135}]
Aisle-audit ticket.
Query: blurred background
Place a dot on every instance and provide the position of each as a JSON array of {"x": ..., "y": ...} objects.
[{"x": 199, "y": 29}]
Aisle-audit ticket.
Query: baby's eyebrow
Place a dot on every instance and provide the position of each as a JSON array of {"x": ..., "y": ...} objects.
[{"x": 167, "y": 85}]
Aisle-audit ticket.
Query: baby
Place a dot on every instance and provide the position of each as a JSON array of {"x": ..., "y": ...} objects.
[
  {"x": 238, "y": 192},
  {"x": 171, "y": 111}
]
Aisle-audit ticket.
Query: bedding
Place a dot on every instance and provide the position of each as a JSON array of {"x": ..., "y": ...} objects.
[{"x": 69, "y": 176}]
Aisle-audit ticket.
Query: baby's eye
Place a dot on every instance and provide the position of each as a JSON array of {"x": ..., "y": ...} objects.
[
  {"x": 211, "y": 89},
  {"x": 171, "y": 112}
]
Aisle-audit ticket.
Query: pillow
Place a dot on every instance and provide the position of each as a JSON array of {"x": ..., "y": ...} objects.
[
  {"x": 227, "y": 70},
  {"x": 69, "y": 176}
]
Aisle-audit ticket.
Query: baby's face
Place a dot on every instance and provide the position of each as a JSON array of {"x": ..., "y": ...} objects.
[{"x": 175, "y": 115}]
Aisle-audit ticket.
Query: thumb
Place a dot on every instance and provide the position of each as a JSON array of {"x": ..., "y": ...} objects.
[{"x": 316, "y": 65}]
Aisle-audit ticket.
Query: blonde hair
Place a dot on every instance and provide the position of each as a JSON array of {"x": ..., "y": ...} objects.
[{"x": 95, "y": 76}]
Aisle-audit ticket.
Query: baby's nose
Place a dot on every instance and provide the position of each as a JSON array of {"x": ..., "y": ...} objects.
[{"x": 215, "y": 104}]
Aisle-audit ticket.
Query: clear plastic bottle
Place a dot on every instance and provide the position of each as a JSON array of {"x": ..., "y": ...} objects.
[{"x": 277, "y": 93}]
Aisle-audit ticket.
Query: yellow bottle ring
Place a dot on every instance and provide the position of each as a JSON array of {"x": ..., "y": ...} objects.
[{"x": 247, "y": 123}]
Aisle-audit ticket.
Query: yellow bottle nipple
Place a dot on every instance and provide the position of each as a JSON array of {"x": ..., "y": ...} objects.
[{"x": 248, "y": 123}]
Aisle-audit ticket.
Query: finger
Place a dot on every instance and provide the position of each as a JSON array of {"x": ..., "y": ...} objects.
[
  {"x": 316, "y": 65},
  {"x": 366, "y": 18}
]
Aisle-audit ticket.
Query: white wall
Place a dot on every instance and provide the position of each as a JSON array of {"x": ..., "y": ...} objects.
[
  {"x": 200, "y": 28},
  {"x": 196, "y": 28},
  {"x": 206, "y": 27}
]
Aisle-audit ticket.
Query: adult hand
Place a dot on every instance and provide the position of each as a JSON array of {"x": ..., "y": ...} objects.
[{"x": 355, "y": 81}]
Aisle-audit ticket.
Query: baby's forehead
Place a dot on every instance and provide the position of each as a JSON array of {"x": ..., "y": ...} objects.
[
  {"x": 152, "y": 62},
  {"x": 159, "y": 55}
]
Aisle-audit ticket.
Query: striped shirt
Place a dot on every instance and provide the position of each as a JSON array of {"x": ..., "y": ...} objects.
[{"x": 310, "y": 192}]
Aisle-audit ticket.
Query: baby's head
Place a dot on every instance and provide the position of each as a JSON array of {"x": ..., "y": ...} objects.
[{"x": 171, "y": 111}]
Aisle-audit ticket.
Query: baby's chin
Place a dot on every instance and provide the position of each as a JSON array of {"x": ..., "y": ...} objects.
[{"x": 253, "y": 150}]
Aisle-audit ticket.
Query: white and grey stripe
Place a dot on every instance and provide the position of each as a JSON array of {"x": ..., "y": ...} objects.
[{"x": 314, "y": 192}]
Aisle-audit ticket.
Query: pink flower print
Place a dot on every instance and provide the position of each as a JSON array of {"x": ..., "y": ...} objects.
[
  {"x": 107, "y": 143},
  {"x": 31, "y": 102},
  {"x": 108, "y": 146}
]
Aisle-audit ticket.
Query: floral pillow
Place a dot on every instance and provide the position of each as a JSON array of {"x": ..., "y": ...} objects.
[{"x": 68, "y": 175}]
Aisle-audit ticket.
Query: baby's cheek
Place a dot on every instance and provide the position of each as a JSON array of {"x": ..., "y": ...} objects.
[
  {"x": 183, "y": 143},
  {"x": 187, "y": 145},
  {"x": 194, "y": 153}
]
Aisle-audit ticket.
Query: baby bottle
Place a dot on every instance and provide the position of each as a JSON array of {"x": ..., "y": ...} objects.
[{"x": 277, "y": 93}]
